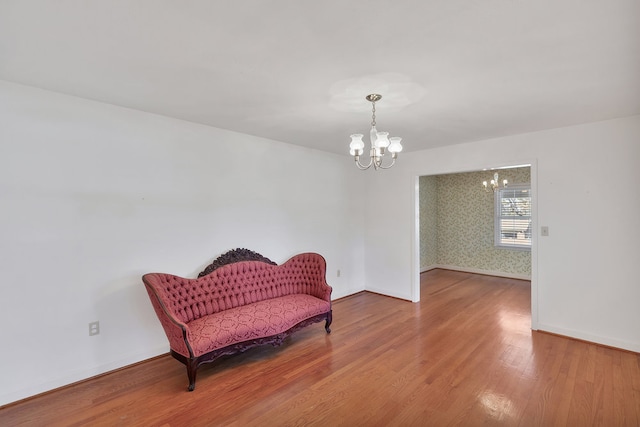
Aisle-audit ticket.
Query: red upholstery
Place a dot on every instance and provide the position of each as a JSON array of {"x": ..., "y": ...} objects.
[
  {"x": 200, "y": 315},
  {"x": 262, "y": 319}
]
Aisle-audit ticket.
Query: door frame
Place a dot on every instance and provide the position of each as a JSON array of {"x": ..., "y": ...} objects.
[{"x": 415, "y": 183}]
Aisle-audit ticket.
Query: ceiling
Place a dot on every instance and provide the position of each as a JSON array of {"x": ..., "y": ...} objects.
[{"x": 449, "y": 71}]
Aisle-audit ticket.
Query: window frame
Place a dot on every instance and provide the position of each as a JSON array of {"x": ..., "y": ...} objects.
[{"x": 497, "y": 219}]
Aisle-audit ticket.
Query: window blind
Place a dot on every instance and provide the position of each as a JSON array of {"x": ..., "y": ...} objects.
[{"x": 513, "y": 217}]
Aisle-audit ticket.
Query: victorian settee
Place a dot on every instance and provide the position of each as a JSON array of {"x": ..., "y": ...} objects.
[{"x": 240, "y": 301}]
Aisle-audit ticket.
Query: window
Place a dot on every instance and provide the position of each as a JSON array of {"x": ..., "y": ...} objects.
[{"x": 513, "y": 217}]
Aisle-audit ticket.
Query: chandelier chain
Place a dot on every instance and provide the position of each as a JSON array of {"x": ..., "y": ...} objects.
[{"x": 373, "y": 116}]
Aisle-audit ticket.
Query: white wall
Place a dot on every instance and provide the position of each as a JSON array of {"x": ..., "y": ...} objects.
[
  {"x": 586, "y": 179},
  {"x": 93, "y": 196}
]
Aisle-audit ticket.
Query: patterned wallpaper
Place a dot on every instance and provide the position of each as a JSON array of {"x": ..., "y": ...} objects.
[
  {"x": 428, "y": 221},
  {"x": 456, "y": 223}
]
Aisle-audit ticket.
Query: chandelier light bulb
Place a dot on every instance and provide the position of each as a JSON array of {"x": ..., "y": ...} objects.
[
  {"x": 395, "y": 146},
  {"x": 382, "y": 140},
  {"x": 356, "y": 148}
]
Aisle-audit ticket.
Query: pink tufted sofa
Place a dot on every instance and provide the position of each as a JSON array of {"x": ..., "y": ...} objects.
[{"x": 238, "y": 306}]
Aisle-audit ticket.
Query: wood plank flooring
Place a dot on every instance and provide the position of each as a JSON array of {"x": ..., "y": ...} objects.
[{"x": 464, "y": 355}]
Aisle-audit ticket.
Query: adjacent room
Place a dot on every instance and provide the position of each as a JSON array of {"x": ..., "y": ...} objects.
[
  {"x": 457, "y": 226},
  {"x": 155, "y": 136}
]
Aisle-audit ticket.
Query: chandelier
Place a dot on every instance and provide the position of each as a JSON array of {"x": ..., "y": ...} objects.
[
  {"x": 494, "y": 183},
  {"x": 380, "y": 143}
]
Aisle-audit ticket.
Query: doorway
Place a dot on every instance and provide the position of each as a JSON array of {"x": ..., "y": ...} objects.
[{"x": 464, "y": 239}]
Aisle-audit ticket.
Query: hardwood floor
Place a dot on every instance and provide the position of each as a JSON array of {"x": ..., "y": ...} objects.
[{"x": 465, "y": 355}]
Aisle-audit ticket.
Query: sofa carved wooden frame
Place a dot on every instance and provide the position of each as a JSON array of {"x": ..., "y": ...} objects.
[{"x": 192, "y": 363}]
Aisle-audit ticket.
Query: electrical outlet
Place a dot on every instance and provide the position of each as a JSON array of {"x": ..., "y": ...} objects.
[
  {"x": 94, "y": 328},
  {"x": 544, "y": 230},
  {"x": 338, "y": 272}
]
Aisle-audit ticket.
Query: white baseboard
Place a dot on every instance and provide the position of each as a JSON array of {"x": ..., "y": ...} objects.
[
  {"x": 346, "y": 292},
  {"x": 78, "y": 376},
  {"x": 583, "y": 336},
  {"x": 479, "y": 271},
  {"x": 389, "y": 294},
  {"x": 431, "y": 267}
]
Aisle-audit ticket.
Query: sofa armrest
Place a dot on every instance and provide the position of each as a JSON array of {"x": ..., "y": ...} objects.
[
  {"x": 327, "y": 293},
  {"x": 175, "y": 330},
  {"x": 323, "y": 292}
]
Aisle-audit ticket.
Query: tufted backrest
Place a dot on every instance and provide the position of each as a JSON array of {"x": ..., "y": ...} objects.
[{"x": 238, "y": 284}]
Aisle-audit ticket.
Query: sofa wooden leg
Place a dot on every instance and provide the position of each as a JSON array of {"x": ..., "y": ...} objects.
[
  {"x": 328, "y": 322},
  {"x": 192, "y": 365}
]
